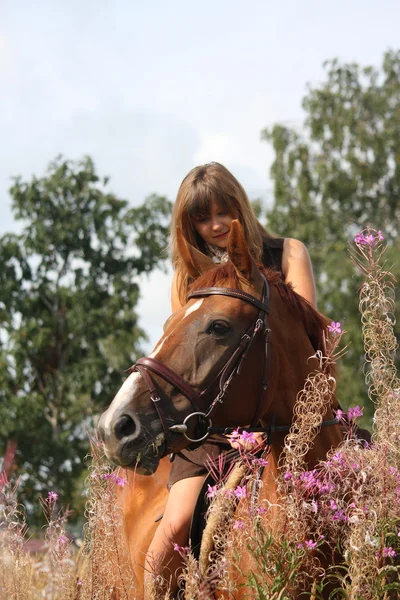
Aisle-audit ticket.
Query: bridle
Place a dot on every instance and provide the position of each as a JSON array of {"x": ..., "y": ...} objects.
[{"x": 203, "y": 409}]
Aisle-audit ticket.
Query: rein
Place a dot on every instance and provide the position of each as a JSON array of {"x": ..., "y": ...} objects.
[{"x": 203, "y": 409}]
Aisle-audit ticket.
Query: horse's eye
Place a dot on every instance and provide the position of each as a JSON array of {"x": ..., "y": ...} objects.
[{"x": 218, "y": 327}]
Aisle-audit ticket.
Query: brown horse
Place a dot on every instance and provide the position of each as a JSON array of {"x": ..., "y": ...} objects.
[{"x": 237, "y": 353}]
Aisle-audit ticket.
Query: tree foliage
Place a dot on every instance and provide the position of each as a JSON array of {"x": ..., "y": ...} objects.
[
  {"x": 68, "y": 322},
  {"x": 338, "y": 175}
]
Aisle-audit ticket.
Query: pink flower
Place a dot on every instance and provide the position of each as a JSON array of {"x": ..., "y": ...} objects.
[
  {"x": 116, "y": 479},
  {"x": 370, "y": 240},
  {"x": 261, "y": 510},
  {"x": 380, "y": 235},
  {"x": 240, "y": 491},
  {"x": 52, "y": 497},
  {"x": 235, "y": 434},
  {"x": 360, "y": 239},
  {"x": 388, "y": 552},
  {"x": 120, "y": 480},
  {"x": 340, "y": 414},
  {"x": 335, "y": 327},
  {"x": 354, "y": 413},
  {"x": 247, "y": 437},
  {"x": 310, "y": 545},
  {"x": 183, "y": 550},
  {"x": 287, "y": 476},
  {"x": 212, "y": 491},
  {"x": 238, "y": 524}
]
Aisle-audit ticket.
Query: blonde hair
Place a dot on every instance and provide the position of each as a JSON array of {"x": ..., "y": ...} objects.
[{"x": 202, "y": 186}]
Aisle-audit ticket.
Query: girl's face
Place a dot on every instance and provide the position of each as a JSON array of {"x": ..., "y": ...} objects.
[{"x": 214, "y": 228}]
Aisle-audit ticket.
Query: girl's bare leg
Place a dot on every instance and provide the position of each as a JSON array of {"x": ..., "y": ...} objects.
[{"x": 161, "y": 559}]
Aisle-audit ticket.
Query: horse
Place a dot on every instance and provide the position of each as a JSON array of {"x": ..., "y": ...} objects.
[{"x": 237, "y": 353}]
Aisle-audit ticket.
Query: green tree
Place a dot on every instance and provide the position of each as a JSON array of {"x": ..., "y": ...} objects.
[
  {"x": 338, "y": 175},
  {"x": 68, "y": 322}
]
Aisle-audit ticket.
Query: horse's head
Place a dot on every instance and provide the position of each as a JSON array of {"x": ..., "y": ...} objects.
[{"x": 214, "y": 360}]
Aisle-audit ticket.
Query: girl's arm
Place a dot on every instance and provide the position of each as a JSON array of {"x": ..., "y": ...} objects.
[{"x": 297, "y": 268}]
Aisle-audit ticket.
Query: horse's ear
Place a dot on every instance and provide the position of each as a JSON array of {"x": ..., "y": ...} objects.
[
  {"x": 241, "y": 258},
  {"x": 196, "y": 262}
]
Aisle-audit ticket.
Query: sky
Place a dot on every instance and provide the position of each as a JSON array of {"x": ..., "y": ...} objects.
[{"x": 150, "y": 89}]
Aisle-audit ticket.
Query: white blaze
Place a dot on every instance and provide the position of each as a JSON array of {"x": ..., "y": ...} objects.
[
  {"x": 124, "y": 394},
  {"x": 194, "y": 307}
]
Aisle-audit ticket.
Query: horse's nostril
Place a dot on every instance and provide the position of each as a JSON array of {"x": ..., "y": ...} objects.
[{"x": 125, "y": 426}]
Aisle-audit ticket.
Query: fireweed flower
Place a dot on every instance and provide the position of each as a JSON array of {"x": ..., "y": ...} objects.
[
  {"x": 261, "y": 510},
  {"x": 335, "y": 327},
  {"x": 388, "y": 552},
  {"x": 354, "y": 413},
  {"x": 52, "y": 497},
  {"x": 247, "y": 437},
  {"x": 340, "y": 414},
  {"x": 360, "y": 239},
  {"x": 240, "y": 492},
  {"x": 212, "y": 491},
  {"x": 238, "y": 524},
  {"x": 183, "y": 550},
  {"x": 370, "y": 240},
  {"x": 310, "y": 544},
  {"x": 117, "y": 480},
  {"x": 380, "y": 235}
]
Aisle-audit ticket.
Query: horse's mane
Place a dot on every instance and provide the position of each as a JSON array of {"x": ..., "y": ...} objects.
[{"x": 314, "y": 322}]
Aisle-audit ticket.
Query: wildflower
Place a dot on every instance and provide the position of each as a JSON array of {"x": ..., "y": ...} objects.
[
  {"x": 238, "y": 524},
  {"x": 79, "y": 582},
  {"x": 354, "y": 413},
  {"x": 248, "y": 437},
  {"x": 340, "y": 414},
  {"x": 120, "y": 480},
  {"x": 116, "y": 479},
  {"x": 287, "y": 476},
  {"x": 235, "y": 434},
  {"x": 240, "y": 492},
  {"x": 310, "y": 545},
  {"x": 183, "y": 550},
  {"x": 335, "y": 327},
  {"x": 332, "y": 505},
  {"x": 369, "y": 240},
  {"x": 388, "y": 552},
  {"x": 261, "y": 510},
  {"x": 52, "y": 497},
  {"x": 339, "y": 515},
  {"x": 337, "y": 457},
  {"x": 260, "y": 462},
  {"x": 380, "y": 235},
  {"x": 212, "y": 491},
  {"x": 360, "y": 239}
]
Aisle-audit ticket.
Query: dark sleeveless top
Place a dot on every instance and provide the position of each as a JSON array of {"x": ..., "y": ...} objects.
[{"x": 193, "y": 463}]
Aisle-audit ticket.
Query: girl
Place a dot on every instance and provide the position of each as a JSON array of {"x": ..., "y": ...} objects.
[{"x": 209, "y": 198}]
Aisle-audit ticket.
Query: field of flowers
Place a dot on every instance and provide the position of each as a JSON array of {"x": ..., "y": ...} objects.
[{"x": 349, "y": 505}]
